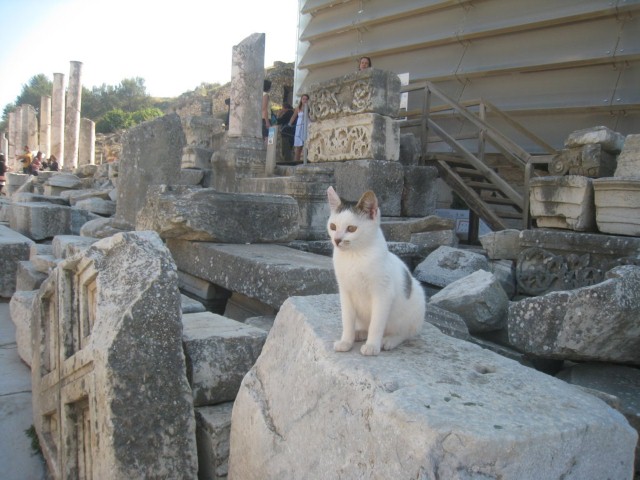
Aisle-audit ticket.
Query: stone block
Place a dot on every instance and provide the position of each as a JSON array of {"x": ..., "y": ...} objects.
[
  {"x": 21, "y": 310},
  {"x": 219, "y": 351},
  {"x": 420, "y": 191},
  {"x": 446, "y": 265},
  {"x": 447, "y": 322},
  {"x": 192, "y": 176},
  {"x": 110, "y": 389},
  {"x": 28, "y": 277},
  {"x": 573, "y": 325},
  {"x": 588, "y": 160},
  {"x": 629, "y": 158},
  {"x": 430, "y": 241},
  {"x": 611, "y": 141},
  {"x": 239, "y": 307},
  {"x": 367, "y": 136},
  {"x": 386, "y": 179},
  {"x": 309, "y": 188},
  {"x": 264, "y": 322},
  {"x": 369, "y": 91},
  {"x": 40, "y": 221},
  {"x": 213, "y": 427},
  {"x": 64, "y": 246},
  {"x": 102, "y": 227},
  {"x": 26, "y": 197},
  {"x": 15, "y": 248},
  {"x": 410, "y": 150},
  {"x": 617, "y": 201},
  {"x": 203, "y": 214},
  {"x": 195, "y": 157},
  {"x": 197, "y": 286},
  {"x": 73, "y": 196},
  {"x": 190, "y": 305},
  {"x": 478, "y": 298},
  {"x": 268, "y": 273},
  {"x": 435, "y": 407},
  {"x": 151, "y": 155},
  {"x": 502, "y": 245},
  {"x": 98, "y": 206},
  {"x": 563, "y": 202},
  {"x": 64, "y": 181}
]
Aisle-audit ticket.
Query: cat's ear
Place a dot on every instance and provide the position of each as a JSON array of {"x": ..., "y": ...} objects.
[
  {"x": 368, "y": 203},
  {"x": 334, "y": 199}
]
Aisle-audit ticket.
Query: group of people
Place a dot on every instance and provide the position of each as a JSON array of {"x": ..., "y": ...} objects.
[
  {"x": 294, "y": 122},
  {"x": 31, "y": 164}
]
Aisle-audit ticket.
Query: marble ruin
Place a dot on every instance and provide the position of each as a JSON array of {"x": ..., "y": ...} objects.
[{"x": 177, "y": 307}]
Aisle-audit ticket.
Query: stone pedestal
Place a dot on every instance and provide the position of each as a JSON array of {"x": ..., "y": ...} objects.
[
  {"x": 563, "y": 202},
  {"x": 617, "y": 202},
  {"x": 241, "y": 157}
]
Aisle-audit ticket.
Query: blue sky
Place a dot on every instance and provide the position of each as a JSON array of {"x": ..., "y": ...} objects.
[{"x": 173, "y": 46}]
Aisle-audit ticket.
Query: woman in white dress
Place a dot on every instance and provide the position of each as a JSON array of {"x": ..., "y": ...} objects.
[{"x": 301, "y": 117}]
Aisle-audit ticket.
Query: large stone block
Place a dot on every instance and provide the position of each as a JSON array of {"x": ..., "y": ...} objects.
[
  {"x": 369, "y": 91},
  {"x": 563, "y": 202},
  {"x": 213, "y": 427},
  {"x": 268, "y": 273},
  {"x": 386, "y": 179},
  {"x": 15, "y": 248},
  {"x": 151, "y": 155},
  {"x": 367, "y": 136},
  {"x": 596, "y": 323},
  {"x": 309, "y": 187},
  {"x": 28, "y": 277},
  {"x": 611, "y": 141},
  {"x": 219, "y": 352},
  {"x": 445, "y": 265},
  {"x": 617, "y": 203},
  {"x": 40, "y": 221},
  {"x": 419, "y": 194},
  {"x": 629, "y": 158},
  {"x": 203, "y": 214},
  {"x": 111, "y": 395},
  {"x": 21, "y": 308},
  {"x": 435, "y": 407},
  {"x": 589, "y": 160}
]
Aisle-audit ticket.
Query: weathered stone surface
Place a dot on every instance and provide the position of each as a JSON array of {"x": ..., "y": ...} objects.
[
  {"x": 239, "y": 307},
  {"x": 73, "y": 196},
  {"x": 446, "y": 265},
  {"x": 64, "y": 246},
  {"x": 151, "y": 155},
  {"x": 368, "y": 91},
  {"x": 28, "y": 277},
  {"x": 268, "y": 273},
  {"x": 629, "y": 158},
  {"x": 563, "y": 202},
  {"x": 193, "y": 213},
  {"x": 219, "y": 352},
  {"x": 309, "y": 187},
  {"x": 505, "y": 272},
  {"x": 478, "y": 298},
  {"x": 420, "y": 194},
  {"x": 367, "y": 136},
  {"x": 98, "y": 206},
  {"x": 611, "y": 141},
  {"x": 14, "y": 247},
  {"x": 102, "y": 228},
  {"x": 386, "y": 179},
  {"x": 409, "y": 149},
  {"x": 114, "y": 354},
  {"x": 589, "y": 160},
  {"x": 562, "y": 260},
  {"x": 617, "y": 380},
  {"x": 435, "y": 407},
  {"x": 429, "y": 241},
  {"x": 617, "y": 203},
  {"x": 596, "y": 323},
  {"x": 213, "y": 427},
  {"x": 65, "y": 181},
  {"x": 264, "y": 322},
  {"x": 25, "y": 197},
  {"x": 39, "y": 221},
  {"x": 21, "y": 308},
  {"x": 502, "y": 245},
  {"x": 449, "y": 323},
  {"x": 189, "y": 305},
  {"x": 44, "y": 263},
  {"x": 190, "y": 176}
]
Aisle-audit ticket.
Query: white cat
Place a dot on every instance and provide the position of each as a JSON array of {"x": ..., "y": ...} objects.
[{"x": 381, "y": 301}]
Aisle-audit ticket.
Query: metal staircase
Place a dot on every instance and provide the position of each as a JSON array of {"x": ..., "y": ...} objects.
[{"x": 466, "y": 168}]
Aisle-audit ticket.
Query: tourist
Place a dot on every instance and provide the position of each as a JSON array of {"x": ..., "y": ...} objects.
[
  {"x": 301, "y": 117},
  {"x": 53, "y": 163},
  {"x": 36, "y": 164},
  {"x": 3, "y": 170},
  {"x": 25, "y": 159},
  {"x": 266, "y": 109},
  {"x": 364, "y": 63}
]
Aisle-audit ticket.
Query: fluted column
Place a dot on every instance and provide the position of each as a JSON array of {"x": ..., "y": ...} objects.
[
  {"x": 72, "y": 116},
  {"x": 57, "y": 117},
  {"x": 45, "y": 125}
]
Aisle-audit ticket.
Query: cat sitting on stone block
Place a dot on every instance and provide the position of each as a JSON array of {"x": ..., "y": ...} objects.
[{"x": 381, "y": 301}]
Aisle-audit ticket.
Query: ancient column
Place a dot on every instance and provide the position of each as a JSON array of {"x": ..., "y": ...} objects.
[
  {"x": 72, "y": 116},
  {"x": 13, "y": 132},
  {"x": 45, "y": 125},
  {"x": 87, "y": 144},
  {"x": 244, "y": 154},
  {"x": 5, "y": 145},
  {"x": 57, "y": 118}
]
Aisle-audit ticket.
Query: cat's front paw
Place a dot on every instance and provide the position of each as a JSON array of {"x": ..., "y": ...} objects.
[
  {"x": 342, "y": 346},
  {"x": 369, "y": 349}
]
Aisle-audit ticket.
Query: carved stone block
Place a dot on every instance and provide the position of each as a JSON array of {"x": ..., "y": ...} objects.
[
  {"x": 563, "y": 202},
  {"x": 611, "y": 141},
  {"x": 617, "y": 203},
  {"x": 369, "y": 91},
  {"x": 588, "y": 160},
  {"x": 367, "y": 136}
]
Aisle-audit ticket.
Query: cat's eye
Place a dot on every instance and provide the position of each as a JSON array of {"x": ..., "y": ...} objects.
[
  {"x": 351, "y": 228},
  {"x": 332, "y": 226}
]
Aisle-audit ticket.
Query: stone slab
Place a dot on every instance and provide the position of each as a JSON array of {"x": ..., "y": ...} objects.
[
  {"x": 629, "y": 158},
  {"x": 15, "y": 247},
  {"x": 435, "y": 407},
  {"x": 268, "y": 273},
  {"x": 563, "y": 202},
  {"x": 617, "y": 203}
]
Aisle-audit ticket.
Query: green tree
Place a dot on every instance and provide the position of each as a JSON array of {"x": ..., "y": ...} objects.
[
  {"x": 35, "y": 88},
  {"x": 114, "y": 120},
  {"x": 132, "y": 95},
  {"x": 146, "y": 114}
]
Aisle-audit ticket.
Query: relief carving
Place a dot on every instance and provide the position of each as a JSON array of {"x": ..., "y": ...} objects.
[{"x": 344, "y": 143}]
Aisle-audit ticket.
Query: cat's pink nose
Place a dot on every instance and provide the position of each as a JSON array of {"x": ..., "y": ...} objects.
[{"x": 337, "y": 241}]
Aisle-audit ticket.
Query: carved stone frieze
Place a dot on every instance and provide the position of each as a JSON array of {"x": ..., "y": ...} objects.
[
  {"x": 369, "y": 91},
  {"x": 356, "y": 137},
  {"x": 587, "y": 160}
]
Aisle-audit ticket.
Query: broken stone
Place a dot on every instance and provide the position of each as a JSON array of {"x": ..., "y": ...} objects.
[
  {"x": 97, "y": 205},
  {"x": 419, "y": 194},
  {"x": 432, "y": 408},
  {"x": 28, "y": 277},
  {"x": 478, "y": 298},
  {"x": 21, "y": 308},
  {"x": 15, "y": 247},
  {"x": 219, "y": 352},
  {"x": 629, "y": 158},
  {"x": 617, "y": 202},
  {"x": 101, "y": 228},
  {"x": 611, "y": 141},
  {"x": 570, "y": 325},
  {"x": 563, "y": 202},
  {"x": 203, "y": 214},
  {"x": 213, "y": 427},
  {"x": 502, "y": 245},
  {"x": 64, "y": 246},
  {"x": 446, "y": 265}
]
